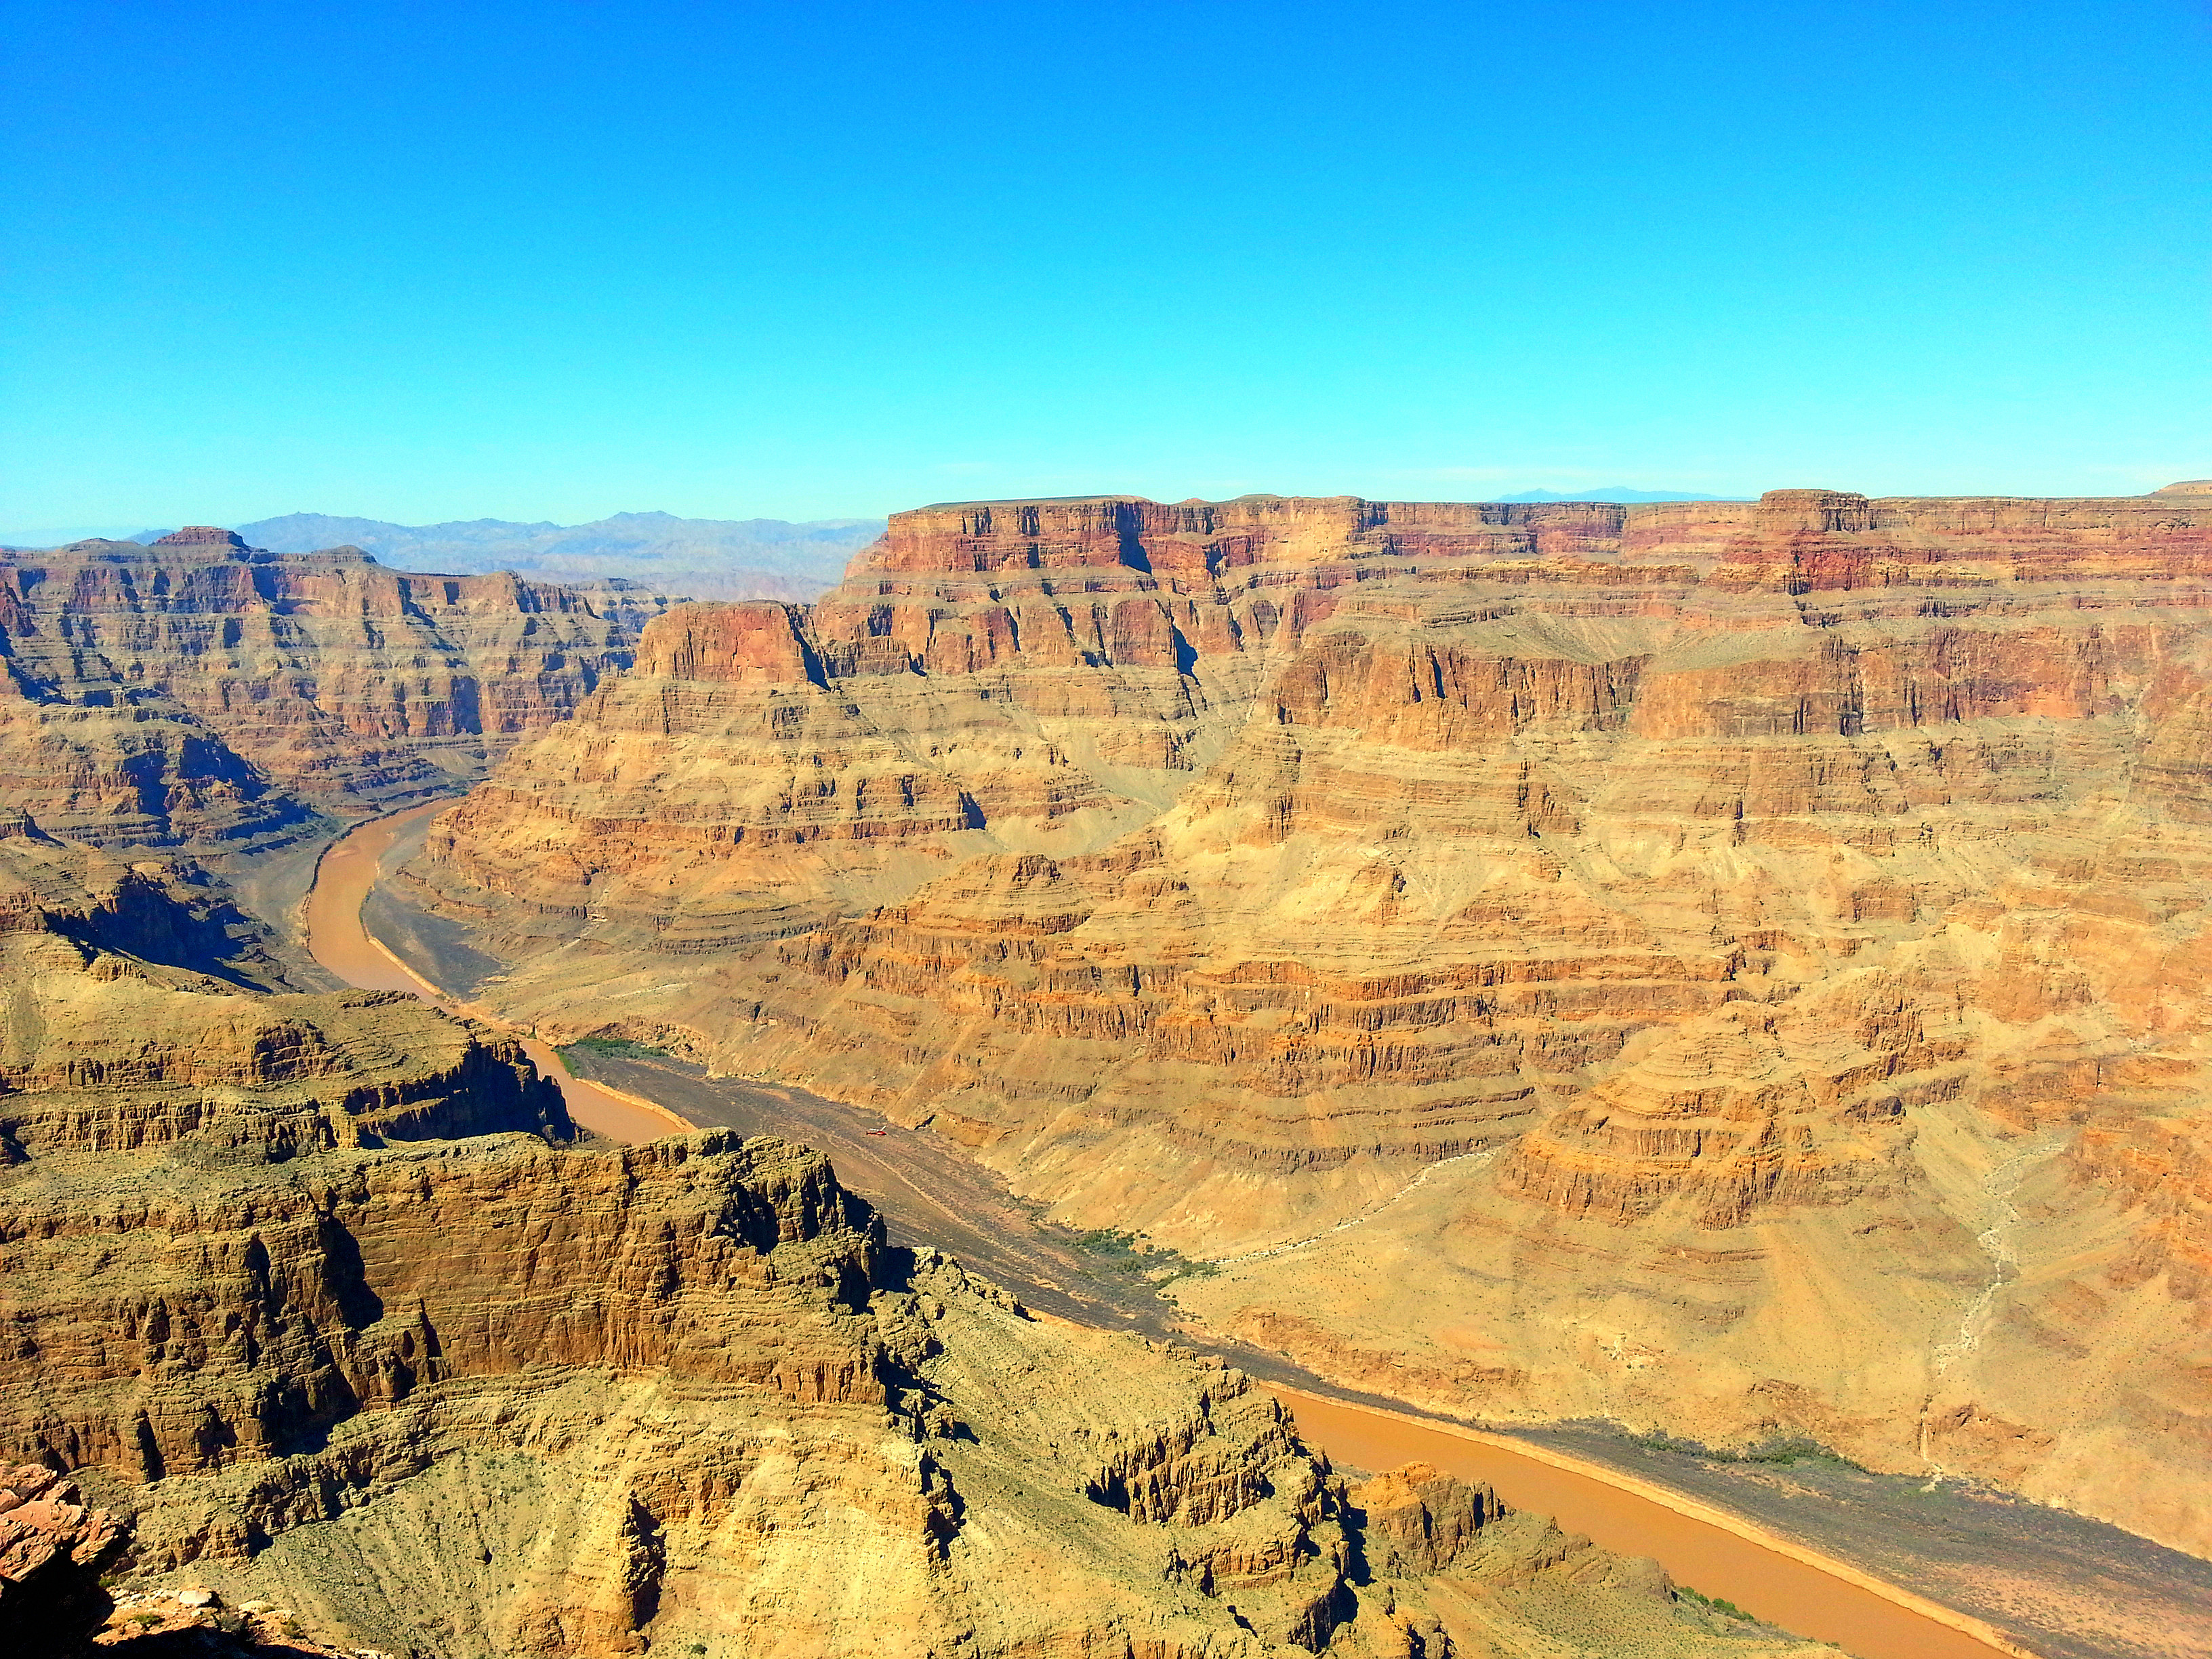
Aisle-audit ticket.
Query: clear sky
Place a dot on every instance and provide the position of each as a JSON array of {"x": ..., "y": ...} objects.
[{"x": 557, "y": 260}]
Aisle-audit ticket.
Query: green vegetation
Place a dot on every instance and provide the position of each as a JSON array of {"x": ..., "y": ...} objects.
[
  {"x": 1787, "y": 1450},
  {"x": 609, "y": 1048},
  {"x": 1125, "y": 1253},
  {"x": 1711, "y": 1603},
  {"x": 1118, "y": 1252},
  {"x": 1783, "y": 1451}
]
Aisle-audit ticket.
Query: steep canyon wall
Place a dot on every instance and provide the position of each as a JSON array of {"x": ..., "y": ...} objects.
[{"x": 202, "y": 695}]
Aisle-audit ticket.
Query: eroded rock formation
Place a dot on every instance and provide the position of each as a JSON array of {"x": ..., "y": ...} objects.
[
  {"x": 440, "y": 1383},
  {"x": 1790, "y": 914},
  {"x": 202, "y": 694},
  {"x": 51, "y": 1548}
]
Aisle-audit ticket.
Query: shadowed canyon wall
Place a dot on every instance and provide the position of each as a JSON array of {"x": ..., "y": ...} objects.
[{"x": 1737, "y": 968}]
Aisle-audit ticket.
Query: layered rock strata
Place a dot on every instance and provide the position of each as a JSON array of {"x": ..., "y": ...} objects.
[
  {"x": 445, "y": 1392},
  {"x": 162, "y": 912},
  {"x": 1789, "y": 913},
  {"x": 201, "y": 693},
  {"x": 114, "y": 1043}
]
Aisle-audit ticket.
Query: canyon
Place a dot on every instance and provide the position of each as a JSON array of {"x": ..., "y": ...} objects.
[
  {"x": 201, "y": 697},
  {"x": 321, "y": 1300},
  {"x": 1731, "y": 970},
  {"x": 1726, "y": 968},
  {"x": 703, "y": 558}
]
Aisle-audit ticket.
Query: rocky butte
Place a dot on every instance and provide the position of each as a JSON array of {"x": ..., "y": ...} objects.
[
  {"x": 320, "y": 1302},
  {"x": 1737, "y": 967}
]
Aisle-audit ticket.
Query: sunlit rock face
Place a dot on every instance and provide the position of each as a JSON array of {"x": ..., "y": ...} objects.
[
  {"x": 321, "y": 1303},
  {"x": 202, "y": 694},
  {"x": 1789, "y": 917}
]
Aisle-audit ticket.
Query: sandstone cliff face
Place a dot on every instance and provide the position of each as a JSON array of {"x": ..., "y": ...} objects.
[
  {"x": 203, "y": 693},
  {"x": 1771, "y": 902},
  {"x": 457, "y": 1393}
]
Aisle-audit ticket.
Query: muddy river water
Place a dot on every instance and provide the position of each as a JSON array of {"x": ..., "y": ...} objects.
[
  {"x": 1721, "y": 1554},
  {"x": 339, "y": 942}
]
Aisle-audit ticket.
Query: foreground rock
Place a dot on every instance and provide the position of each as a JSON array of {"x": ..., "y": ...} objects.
[
  {"x": 1790, "y": 915},
  {"x": 317, "y": 1300},
  {"x": 52, "y": 1549}
]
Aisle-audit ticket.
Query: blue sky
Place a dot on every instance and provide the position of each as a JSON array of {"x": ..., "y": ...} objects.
[{"x": 556, "y": 260}]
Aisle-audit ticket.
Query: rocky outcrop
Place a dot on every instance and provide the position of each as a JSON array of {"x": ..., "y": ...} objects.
[
  {"x": 115, "y": 1040},
  {"x": 1737, "y": 890},
  {"x": 168, "y": 914},
  {"x": 204, "y": 694},
  {"x": 52, "y": 1549}
]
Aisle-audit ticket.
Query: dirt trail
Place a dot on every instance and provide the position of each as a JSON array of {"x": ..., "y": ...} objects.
[{"x": 931, "y": 1194}]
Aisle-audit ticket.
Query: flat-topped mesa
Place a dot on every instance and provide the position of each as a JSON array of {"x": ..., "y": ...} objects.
[
  {"x": 1206, "y": 561},
  {"x": 1198, "y": 588},
  {"x": 1194, "y": 539},
  {"x": 196, "y": 573},
  {"x": 1823, "y": 511},
  {"x": 200, "y": 535}
]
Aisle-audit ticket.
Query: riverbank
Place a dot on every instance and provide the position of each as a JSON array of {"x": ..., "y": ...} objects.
[
  {"x": 350, "y": 867},
  {"x": 1721, "y": 1554}
]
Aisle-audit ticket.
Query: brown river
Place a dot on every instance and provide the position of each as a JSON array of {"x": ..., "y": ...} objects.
[
  {"x": 1718, "y": 1553},
  {"x": 340, "y": 943}
]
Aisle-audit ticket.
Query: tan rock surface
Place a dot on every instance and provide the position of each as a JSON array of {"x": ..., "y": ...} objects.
[
  {"x": 52, "y": 1547},
  {"x": 1793, "y": 912},
  {"x": 107, "y": 1046}
]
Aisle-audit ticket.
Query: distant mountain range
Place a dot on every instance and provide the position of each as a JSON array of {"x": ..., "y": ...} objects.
[
  {"x": 1613, "y": 493},
  {"x": 700, "y": 558},
  {"x": 62, "y": 535}
]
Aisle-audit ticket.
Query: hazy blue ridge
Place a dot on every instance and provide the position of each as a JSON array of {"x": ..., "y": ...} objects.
[
  {"x": 62, "y": 535},
  {"x": 710, "y": 558}
]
